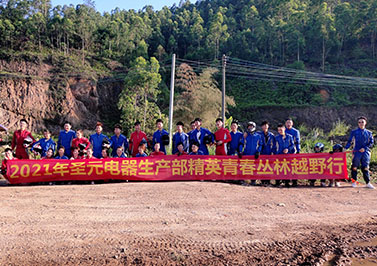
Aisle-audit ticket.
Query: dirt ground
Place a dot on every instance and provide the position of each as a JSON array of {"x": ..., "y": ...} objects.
[{"x": 187, "y": 223}]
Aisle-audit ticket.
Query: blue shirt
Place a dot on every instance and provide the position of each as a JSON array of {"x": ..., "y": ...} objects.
[
  {"x": 198, "y": 136},
  {"x": 61, "y": 158},
  {"x": 141, "y": 155},
  {"x": 283, "y": 144},
  {"x": 363, "y": 139},
  {"x": 157, "y": 138},
  {"x": 296, "y": 137},
  {"x": 45, "y": 144},
  {"x": 197, "y": 153},
  {"x": 236, "y": 144},
  {"x": 268, "y": 143},
  {"x": 123, "y": 155},
  {"x": 65, "y": 140},
  {"x": 116, "y": 142},
  {"x": 253, "y": 144},
  {"x": 180, "y": 137},
  {"x": 96, "y": 141}
]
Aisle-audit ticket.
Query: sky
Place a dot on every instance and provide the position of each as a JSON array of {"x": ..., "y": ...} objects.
[{"x": 108, "y": 5}]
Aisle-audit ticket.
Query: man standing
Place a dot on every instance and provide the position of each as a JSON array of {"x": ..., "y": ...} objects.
[
  {"x": 202, "y": 136},
  {"x": 45, "y": 143},
  {"x": 268, "y": 139},
  {"x": 284, "y": 145},
  {"x": 222, "y": 137},
  {"x": 65, "y": 138},
  {"x": 180, "y": 137},
  {"x": 252, "y": 144},
  {"x": 268, "y": 142},
  {"x": 294, "y": 133},
  {"x": 236, "y": 144},
  {"x": 159, "y": 136},
  {"x": 18, "y": 140},
  {"x": 81, "y": 142},
  {"x": 118, "y": 140},
  {"x": 363, "y": 142},
  {"x": 252, "y": 140},
  {"x": 136, "y": 138},
  {"x": 98, "y": 141}
]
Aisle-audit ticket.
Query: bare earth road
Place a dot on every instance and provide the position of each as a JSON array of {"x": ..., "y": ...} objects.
[{"x": 186, "y": 223}]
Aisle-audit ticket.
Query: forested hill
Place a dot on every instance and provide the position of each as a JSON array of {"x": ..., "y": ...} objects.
[{"x": 331, "y": 37}]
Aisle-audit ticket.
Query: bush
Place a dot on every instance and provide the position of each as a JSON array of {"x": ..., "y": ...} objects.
[{"x": 339, "y": 128}]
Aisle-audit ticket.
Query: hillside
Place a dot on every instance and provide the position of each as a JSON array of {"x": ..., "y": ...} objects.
[{"x": 75, "y": 59}]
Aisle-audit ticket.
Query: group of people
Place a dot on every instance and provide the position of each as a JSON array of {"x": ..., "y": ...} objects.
[{"x": 73, "y": 145}]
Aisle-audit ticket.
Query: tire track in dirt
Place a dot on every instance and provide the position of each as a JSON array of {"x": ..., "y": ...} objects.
[{"x": 197, "y": 223}]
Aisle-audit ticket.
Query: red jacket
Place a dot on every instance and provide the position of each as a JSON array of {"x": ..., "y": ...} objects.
[
  {"x": 77, "y": 141},
  {"x": 157, "y": 153},
  {"x": 135, "y": 139},
  {"x": 222, "y": 135},
  {"x": 18, "y": 142}
]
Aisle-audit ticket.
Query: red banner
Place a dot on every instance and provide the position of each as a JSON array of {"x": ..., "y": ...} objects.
[{"x": 172, "y": 168}]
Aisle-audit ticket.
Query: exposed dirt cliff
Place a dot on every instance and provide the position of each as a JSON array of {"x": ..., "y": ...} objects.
[{"x": 46, "y": 100}]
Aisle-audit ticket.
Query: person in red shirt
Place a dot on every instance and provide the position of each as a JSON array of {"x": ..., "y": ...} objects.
[
  {"x": 8, "y": 157},
  {"x": 75, "y": 154},
  {"x": 80, "y": 140},
  {"x": 222, "y": 136},
  {"x": 181, "y": 150},
  {"x": 89, "y": 153},
  {"x": 49, "y": 154},
  {"x": 157, "y": 151},
  {"x": 136, "y": 138},
  {"x": 18, "y": 140}
]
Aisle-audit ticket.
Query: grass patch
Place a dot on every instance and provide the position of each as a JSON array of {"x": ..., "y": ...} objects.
[{"x": 339, "y": 128}]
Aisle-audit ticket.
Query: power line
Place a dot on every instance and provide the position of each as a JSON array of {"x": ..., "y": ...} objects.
[{"x": 239, "y": 68}]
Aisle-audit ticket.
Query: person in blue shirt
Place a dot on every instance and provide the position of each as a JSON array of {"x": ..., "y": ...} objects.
[
  {"x": 118, "y": 140},
  {"x": 65, "y": 138},
  {"x": 141, "y": 150},
  {"x": 97, "y": 139},
  {"x": 180, "y": 137},
  {"x": 157, "y": 135},
  {"x": 202, "y": 136},
  {"x": 295, "y": 133},
  {"x": 45, "y": 143},
  {"x": 363, "y": 142},
  {"x": 61, "y": 154},
  {"x": 252, "y": 141},
  {"x": 268, "y": 143},
  {"x": 195, "y": 149},
  {"x": 190, "y": 133},
  {"x": 268, "y": 139},
  {"x": 120, "y": 153},
  {"x": 236, "y": 144},
  {"x": 284, "y": 145},
  {"x": 252, "y": 144}
]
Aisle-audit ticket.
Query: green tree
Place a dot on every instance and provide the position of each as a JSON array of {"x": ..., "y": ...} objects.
[
  {"x": 217, "y": 32},
  {"x": 138, "y": 98},
  {"x": 200, "y": 95}
]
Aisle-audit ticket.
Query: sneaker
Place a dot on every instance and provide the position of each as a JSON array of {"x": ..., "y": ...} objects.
[
  {"x": 323, "y": 184},
  {"x": 337, "y": 184},
  {"x": 354, "y": 184},
  {"x": 331, "y": 184},
  {"x": 369, "y": 185}
]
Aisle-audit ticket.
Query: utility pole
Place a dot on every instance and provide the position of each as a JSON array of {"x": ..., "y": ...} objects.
[
  {"x": 223, "y": 91},
  {"x": 171, "y": 103}
]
